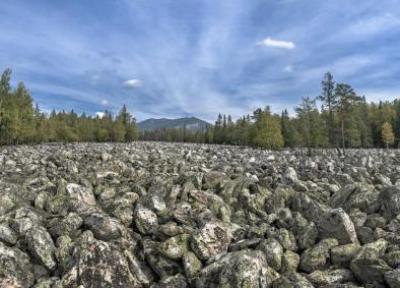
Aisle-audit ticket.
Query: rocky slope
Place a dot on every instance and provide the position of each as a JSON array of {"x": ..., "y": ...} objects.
[{"x": 173, "y": 215}]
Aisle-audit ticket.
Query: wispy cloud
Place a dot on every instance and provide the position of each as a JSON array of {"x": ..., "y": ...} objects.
[
  {"x": 198, "y": 57},
  {"x": 269, "y": 42}
]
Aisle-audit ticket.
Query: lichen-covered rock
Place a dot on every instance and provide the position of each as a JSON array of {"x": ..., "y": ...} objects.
[
  {"x": 213, "y": 238},
  {"x": 161, "y": 265},
  {"x": 191, "y": 265},
  {"x": 336, "y": 223},
  {"x": 15, "y": 268},
  {"x": 392, "y": 278},
  {"x": 292, "y": 280},
  {"x": 389, "y": 199},
  {"x": 318, "y": 256},
  {"x": 290, "y": 262},
  {"x": 7, "y": 235},
  {"x": 237, "y": 269},
  {"x": 104, "y": 227},
  {"x": 307, "y": 237},
  {"x": 367, "y": 266},
  {"x": 273, "y": 251},
  {"x": 41, "y": 246},
  {"x": 177, "y": 280},
  {"x": 328, "y": 277},
  {"x": 352, "y": 196},
  {"x": 53, "y": 282},
  {"x": 98, "y": 264},
  {"x": 175, "y": 247},
  {"x": 146, "y": 220},
  {"x": 343, "y": 254},
  {"x": 81, "y": 197},
  {"x": 393, "y": 258},
  {"x": 65, "y": 226}
]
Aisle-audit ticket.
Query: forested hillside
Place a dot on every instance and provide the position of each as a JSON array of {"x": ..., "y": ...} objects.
[
  {"x": 21, "y": 122},
  {"x": 344, "y": 119}
]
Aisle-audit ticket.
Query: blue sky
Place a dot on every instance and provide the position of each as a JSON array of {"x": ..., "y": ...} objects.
[{"x": 172, "y": 58}]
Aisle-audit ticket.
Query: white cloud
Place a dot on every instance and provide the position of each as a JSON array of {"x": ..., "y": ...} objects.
[
  {"x": 289, "y": 68},
  {"x": 99, "y": 114},
  {"x": 133, "y": 83},
  {"x": 104, "y": 102},
  {"x": 269, "y": 42}
]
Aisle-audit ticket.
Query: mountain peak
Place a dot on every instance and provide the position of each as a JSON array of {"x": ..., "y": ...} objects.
[{"x": 191, "y": 123}]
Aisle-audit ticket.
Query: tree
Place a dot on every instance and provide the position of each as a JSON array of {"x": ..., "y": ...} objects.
[
  {"x": 311, "y": 126},
  {"x": 387, "y": 134},
  {"x": 267, "y": 130},
  {"x": 126, "y": 125},
  {"x": 329, "y": 99},
  {"x": 346, "y": 99},
  {"x": 289, "y": 132}
]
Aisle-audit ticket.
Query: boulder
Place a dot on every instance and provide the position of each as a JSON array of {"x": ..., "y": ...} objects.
[
  {"x": 329, "y": 277},
  {"x": 175, "y": 247},
  {"x": 317, "y": 257},
  {"x": 337, "y": 224},
  {"x": 98, "y": 264},
  {"x": 7, "y": 235},
  {"x": 273, "y": 251},
  {"x": 213, "y": 238},
  {"x": 15, "y": 268},
  {"x": 392, "y": 278},
  {"x": 146, "y": 220},
  {"x": 367, "y": 266},
  {"x": 389, "y": 200},
  {"x": 41, "y": 246},
  {"x": 104, "y": 227},
  {"x": 244, "y": 268}
]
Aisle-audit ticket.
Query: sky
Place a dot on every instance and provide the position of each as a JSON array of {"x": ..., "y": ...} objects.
[{"x": 178, "y": 58}]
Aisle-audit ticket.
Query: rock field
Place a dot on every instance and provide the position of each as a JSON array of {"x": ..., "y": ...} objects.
[{"x": 185, "y": 215}]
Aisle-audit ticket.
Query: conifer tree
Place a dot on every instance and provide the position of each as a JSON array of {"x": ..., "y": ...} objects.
[
  {"x": 387, "y": 134},
  {"x": 329, "y": 100},
  {"x": 267, "y": 130}
]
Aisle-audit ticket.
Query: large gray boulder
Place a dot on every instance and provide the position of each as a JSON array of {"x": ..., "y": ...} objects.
[
  {"x": 104, "y": 227},
  {"x": 337, "y": 224},
  {"x": 318, "y": 256},
  {"x": 368, "y": 266},
  {"x": 389, "y": 200},
  {"x": 41, "y": 246},
  {"x": 146, "y": 220},
  {"x": 98, "y": 264},
  {"x": 244, "y": 268},
  {"x": 15, "y": 268},
  {"x": 213, "y": 238},
  {"x": 81, "y": 197}
]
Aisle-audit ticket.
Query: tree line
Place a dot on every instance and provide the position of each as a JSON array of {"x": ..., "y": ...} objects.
[
  {"x": 342, "y": 120},
  {"x": 21, "y": 122},
  {"x": 337, "y": 118}
]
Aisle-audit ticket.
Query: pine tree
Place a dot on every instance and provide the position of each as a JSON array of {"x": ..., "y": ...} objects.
[
  {"x": 387, "y": 134},
  {"x": 289, "y": 132},
  {"x": 346, "y": 99},
  {"x": 311, "y": 125},
  {"x": 329, "y": 99}
]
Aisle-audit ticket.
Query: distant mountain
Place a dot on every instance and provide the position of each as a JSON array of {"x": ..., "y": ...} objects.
[{"x": 191, "y": 123}]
